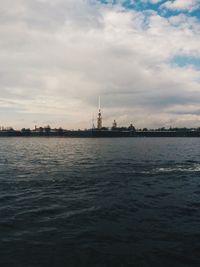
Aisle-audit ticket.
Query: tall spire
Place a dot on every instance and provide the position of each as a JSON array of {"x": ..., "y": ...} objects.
[
  {"x": 99, "y": 103},
  {"x": 99, "y": 118}
]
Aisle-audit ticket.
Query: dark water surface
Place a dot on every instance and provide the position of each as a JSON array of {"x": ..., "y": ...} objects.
[{"x": 99, "y": 202}]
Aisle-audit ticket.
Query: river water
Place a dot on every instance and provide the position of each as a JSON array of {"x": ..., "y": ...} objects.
[{"x": 99, "y": 202}]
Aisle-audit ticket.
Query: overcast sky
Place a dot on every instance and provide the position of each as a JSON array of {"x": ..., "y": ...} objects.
[{"x": 141, "y": 57}]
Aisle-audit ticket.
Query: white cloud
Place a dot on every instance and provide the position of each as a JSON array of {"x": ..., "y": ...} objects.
[
  {"x": 58, "y": 56},
  {"x": 184, "y": 5}
]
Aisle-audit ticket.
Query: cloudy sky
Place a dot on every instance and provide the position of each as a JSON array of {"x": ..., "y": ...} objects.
[{"x": 141, "y": 57}]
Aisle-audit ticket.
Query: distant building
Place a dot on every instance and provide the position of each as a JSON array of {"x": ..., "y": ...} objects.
[
  {"x": 114, "y": 126},
  {"x": 131, "y": 127},
  {"x": 99, "y": 118},
  {"x": 38, "y": 129}
]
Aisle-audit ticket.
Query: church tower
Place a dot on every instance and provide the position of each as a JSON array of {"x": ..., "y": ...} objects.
[{"x": 99, "y": 118}]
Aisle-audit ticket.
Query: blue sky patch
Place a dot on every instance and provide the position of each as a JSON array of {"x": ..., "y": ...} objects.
[
  {"x": 183, "y": 61},
  {"x": 143, "y": 6}
]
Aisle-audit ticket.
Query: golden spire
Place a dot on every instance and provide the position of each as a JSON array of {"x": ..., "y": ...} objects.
[{"x": 99, "y": 118}]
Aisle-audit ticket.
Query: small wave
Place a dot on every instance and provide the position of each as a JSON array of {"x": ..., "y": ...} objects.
[
  {"x": 179, "y": 168},
  {"x": 176, "y": 168}
]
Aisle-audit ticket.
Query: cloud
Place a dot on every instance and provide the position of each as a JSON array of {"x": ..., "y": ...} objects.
[
  {"x": 182, "y": 5},
  {"x": 58, "y": 56}
]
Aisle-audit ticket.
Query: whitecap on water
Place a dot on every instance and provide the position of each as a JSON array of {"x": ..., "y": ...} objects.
[{"x": 180, "y": 168}]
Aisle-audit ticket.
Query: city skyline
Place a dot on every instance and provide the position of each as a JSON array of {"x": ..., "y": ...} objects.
[{"x": 58, "y": 56}]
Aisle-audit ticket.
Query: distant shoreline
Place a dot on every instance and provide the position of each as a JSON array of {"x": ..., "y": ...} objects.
[{"x": 101, "y": 134}]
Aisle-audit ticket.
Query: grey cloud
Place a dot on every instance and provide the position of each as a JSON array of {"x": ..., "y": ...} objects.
[{"x": 57, "y": 57}]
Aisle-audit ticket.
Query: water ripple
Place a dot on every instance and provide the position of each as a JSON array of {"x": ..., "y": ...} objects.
[{"x": 99, "y": 202}]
